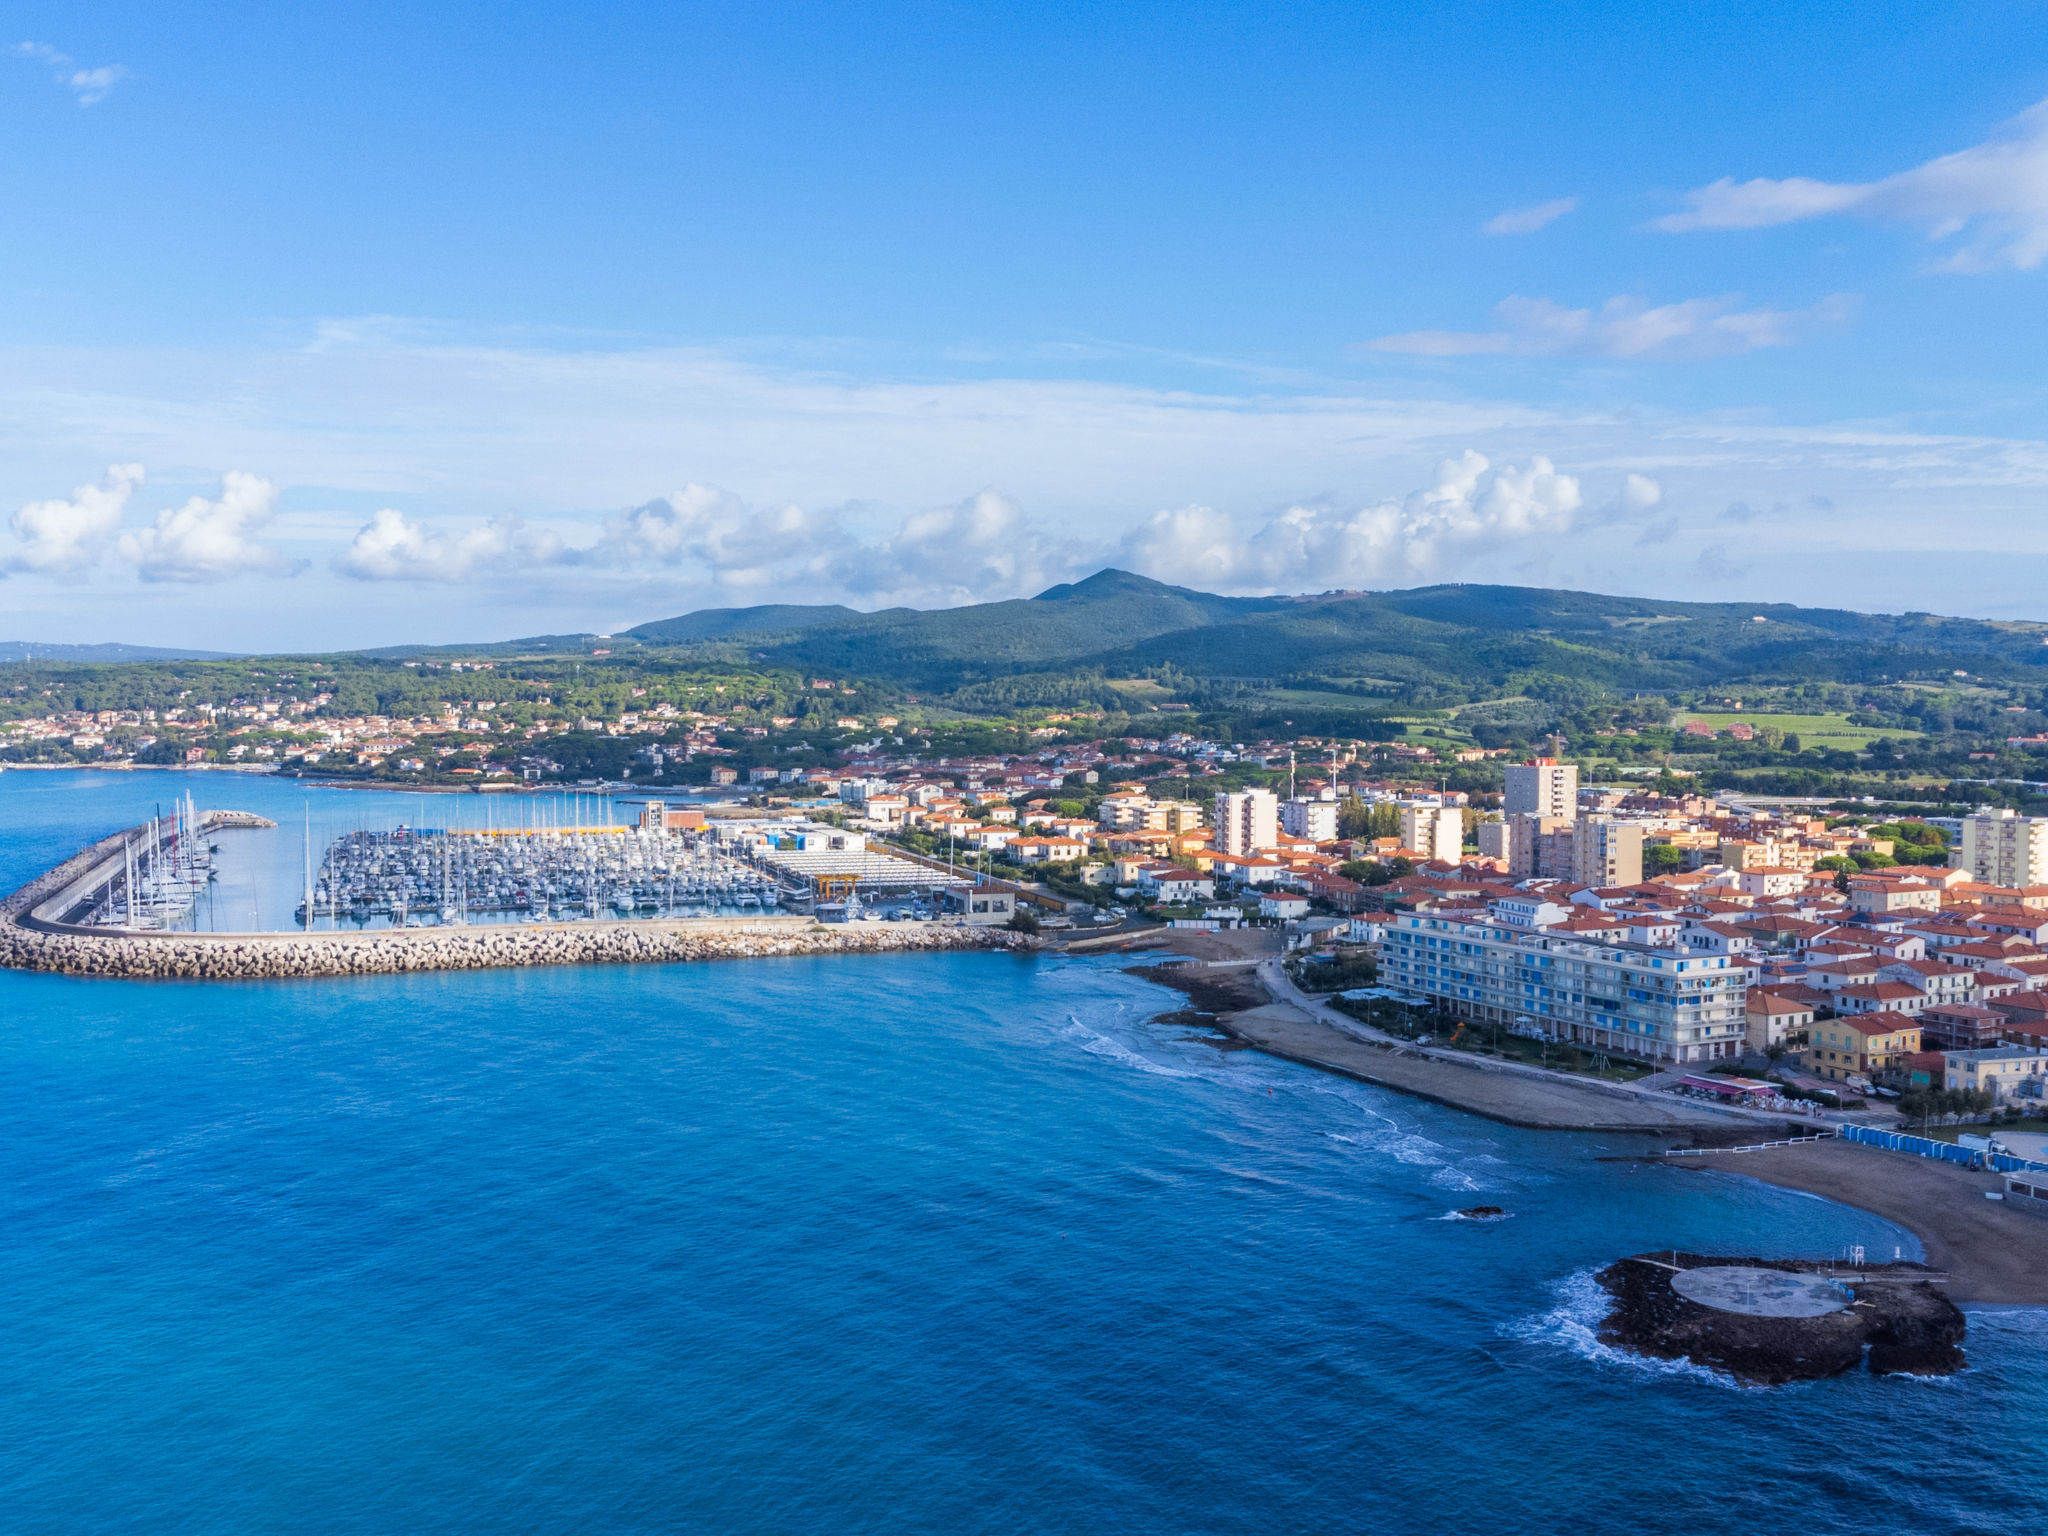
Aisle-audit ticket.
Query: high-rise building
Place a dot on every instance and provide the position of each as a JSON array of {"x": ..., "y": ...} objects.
[
  {"x": 1315, "y": 819},
  {"x": 2001, "y": 848},
  {"x": 1493, "y": 839},
  {"x": 1434, "y": 831},
  {"x": 1247, "y": 821},
  {"x": 1606, "y": 851},
  {"x": 1542, "y": 787},
  {"x": 1539, "y": 845}
]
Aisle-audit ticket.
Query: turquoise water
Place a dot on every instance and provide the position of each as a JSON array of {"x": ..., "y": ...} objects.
[{"x": 897, "y": 1244}]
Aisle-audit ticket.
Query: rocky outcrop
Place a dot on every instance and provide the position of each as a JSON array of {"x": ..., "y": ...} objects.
[
  {"x": 34, "y": 944},
  {"x": 1898, "y": 1314}
]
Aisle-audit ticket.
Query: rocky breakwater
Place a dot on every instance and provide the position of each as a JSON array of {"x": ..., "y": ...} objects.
[
  {"x": 258, "y": 956},
  {"x": 38, "y": 943},
  {"x": 1771, "y": 1321}
]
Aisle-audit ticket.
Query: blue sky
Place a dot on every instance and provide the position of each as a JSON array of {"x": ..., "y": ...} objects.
[{"x": 452, "y": 322}]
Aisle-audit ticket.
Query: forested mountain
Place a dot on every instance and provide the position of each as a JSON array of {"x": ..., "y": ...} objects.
[
  {"x": 30, "y": 650},
  {"x": 1436, "y": 644}
]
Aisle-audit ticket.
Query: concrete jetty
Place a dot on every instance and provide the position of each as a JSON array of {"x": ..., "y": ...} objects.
[{"x": 34, "y": 937}]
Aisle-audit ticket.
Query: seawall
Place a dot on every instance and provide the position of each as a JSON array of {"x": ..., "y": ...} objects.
[{"x": 33, "y": 943}]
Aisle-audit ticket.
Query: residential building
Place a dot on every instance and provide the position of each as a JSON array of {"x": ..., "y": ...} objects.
[
  {"x": 1879, "y": 894},
  {"x": 1603, "y": 994},
  {"x": 1434, "y": 831},
  {"x": 1493, "y": 839},
  {"x": 1315, "y": 820},
  {"x": 1999, "y": 847},
  {"x": 1607, "y": 852},
  {"x": 1172, "y": 884},
  {"x": 1282, "y": 905},
  {"x": 1962, "y": 1026},
  {"x": 1542, "y": 787},
  {"x": 2005, "y": 1072},
  {"x": 1880, "y": 997},
  {"x": 1247, "y": 821},
  {"x": 1771, "y": 1020},
  {"x": 1866, "y": 1046},
  {"x": 1535, "y": 844}
]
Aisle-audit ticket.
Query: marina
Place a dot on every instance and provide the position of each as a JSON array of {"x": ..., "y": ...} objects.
[{"x": 429, "y": 875}]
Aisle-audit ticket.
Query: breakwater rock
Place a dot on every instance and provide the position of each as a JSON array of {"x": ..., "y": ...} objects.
[
  {"x": 33, "y": 942},
  {"x": 1771, "y": 1321}
]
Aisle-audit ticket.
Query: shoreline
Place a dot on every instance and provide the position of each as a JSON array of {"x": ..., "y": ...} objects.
[
  {"x": 1239, "y": 1004},
  {"x": 1995, "y": 1256}
]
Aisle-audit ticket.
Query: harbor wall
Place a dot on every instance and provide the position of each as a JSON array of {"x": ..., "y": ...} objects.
[
  {"x": 33, "y": 943},
  {"x": 77, "y": 877}
]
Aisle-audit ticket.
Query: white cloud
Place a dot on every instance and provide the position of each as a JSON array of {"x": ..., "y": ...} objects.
[
  {"x": 1997, "y": 189},
  {"x": 1320, "y": 546},
  {"x": 90, "y": 86},
  {"x": 209, "y": 540},
  {"x": 1622, "y": 327},
  {"x": 456, "y": 433},
  {"x": 1526, "y": 221},
  {"x": 64, "y": 538},
  {"x": 973, "y": 550},
  {"x": 1639, "y": 493},
  {"x": 392, "y": 547},
  {"x": 738, "y": 545}
]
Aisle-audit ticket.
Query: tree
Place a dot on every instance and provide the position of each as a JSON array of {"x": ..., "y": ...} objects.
[
  {"x": 1354, "y": 818},
  {"x": 1661, "y": 858},
  {"x": 1791, "y": 743}
]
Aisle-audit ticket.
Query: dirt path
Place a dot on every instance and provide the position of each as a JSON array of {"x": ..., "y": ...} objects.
[{"x": 1992, "y": 1253}]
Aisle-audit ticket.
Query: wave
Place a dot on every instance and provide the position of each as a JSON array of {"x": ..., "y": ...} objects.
[{"x": 1573, "y": 1325}]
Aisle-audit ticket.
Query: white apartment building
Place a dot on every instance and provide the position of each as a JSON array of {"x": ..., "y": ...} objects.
[
  {"x": 1634, "y": 999},
  {"x": 1434, "y": 831},
  {"x": 1542, "y": 787},
  {"x": 2001, "y": 848},
  {"x": 1247, "y": 821},
  {"x": 1315, "y": 820}
]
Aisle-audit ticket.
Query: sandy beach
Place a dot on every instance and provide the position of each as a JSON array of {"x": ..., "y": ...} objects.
[{"x": 1993, "y": 1253}]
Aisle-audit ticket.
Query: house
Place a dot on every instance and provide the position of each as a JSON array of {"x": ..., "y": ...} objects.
[
  {"x": 1864, "y": 1046},
  {"x": 1368, "y": 929},
  {"x": 1880, "y": 997},
  {"x": 1278, "y": 904},
  {"x": 1770, "y": 1018},
  {"x": 1245, "y": 869},
  {"x": 1962, "y": 1026},
  {"x": 1047, "y": 850},
  {"x": 2004, "y": 1073},
  {"x": 886, "y": 810},
  {"x": 1941, "y": 983},
  {"x": 1879, "y": 894},
  {"x": 1171, "y": 884},
  {"x": 1342, "y": 894},
  {"x": 983, "y": 906}
]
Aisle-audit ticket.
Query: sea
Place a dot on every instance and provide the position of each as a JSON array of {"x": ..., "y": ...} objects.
[{"x": 955, "y": 1243}]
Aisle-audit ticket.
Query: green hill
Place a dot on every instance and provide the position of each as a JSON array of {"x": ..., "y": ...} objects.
[{"x": 1444, "y": 643}]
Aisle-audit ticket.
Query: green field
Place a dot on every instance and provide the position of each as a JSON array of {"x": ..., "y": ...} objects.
[{"x": 1812, "y": 730}]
